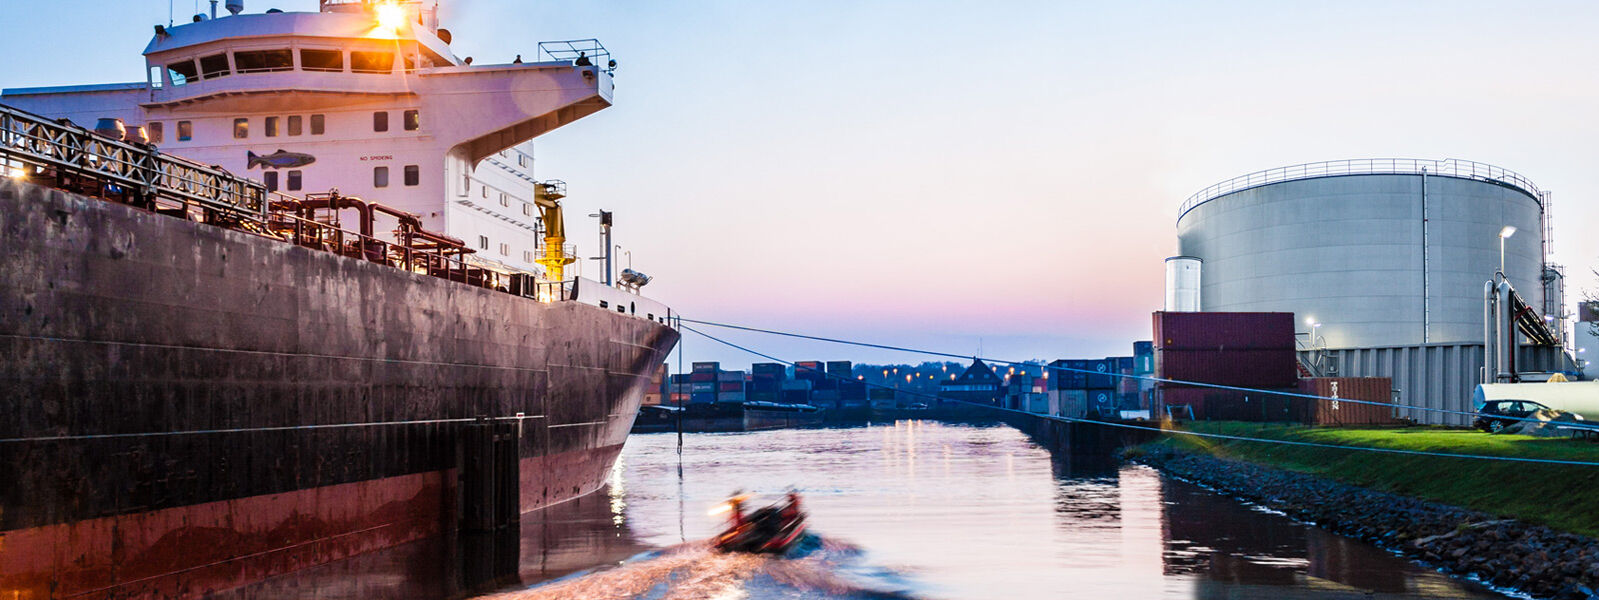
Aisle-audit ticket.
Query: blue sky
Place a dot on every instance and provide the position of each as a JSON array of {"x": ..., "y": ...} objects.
[{"x": 949, "y": 174}]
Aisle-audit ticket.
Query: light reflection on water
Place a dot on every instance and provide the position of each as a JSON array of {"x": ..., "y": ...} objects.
[{"x": 954, "y": 511}]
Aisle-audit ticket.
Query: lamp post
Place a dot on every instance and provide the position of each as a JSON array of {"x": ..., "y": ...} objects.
[{"x": 1504, "y": 234}]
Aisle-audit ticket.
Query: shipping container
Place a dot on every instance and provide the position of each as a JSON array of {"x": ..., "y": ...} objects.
[
  {"x": 1334, "y": 413},
  {"x": 701, "y": 387},
  {"x": 1101, "y": 403},
  {"x": 796, "y": 396},
  {"x": 798, "y": 384},
  {"x": 730, "y": 386},
  {"x": 1103, "y": 376},
  {"x": 730, "y": 376},
  {"x": 761, "y": 382},
  {"x": 852, "y": 390},
  {"x": 841, "y": 369},
  {"x": 730, "y": 397},
  {"x": 702, "y": 398},
  {"x": 707, "y": 367},
  {"x": 775, "y": 370},
  {"x": 680, "y": 378},
  {"x": 762, "y": 396},
  {"x": 1126, "y": 383},
  {"x": 1070, "y": 374},
  {"x": 1212, "y": 404},
  {"x": 699, "y": 377},
  {"x": 1242, "y": 368},
  {"x": 1143, "y": 358},
  {"x": 1224, "y": 331},
  {"x": 1072, "y": 404}
]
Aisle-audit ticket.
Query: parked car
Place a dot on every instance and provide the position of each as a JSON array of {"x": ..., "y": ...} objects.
[{"x": 1498, "y": 414}]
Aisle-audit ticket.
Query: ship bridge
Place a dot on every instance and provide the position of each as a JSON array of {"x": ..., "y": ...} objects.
[{"x": 367, "y": 98}]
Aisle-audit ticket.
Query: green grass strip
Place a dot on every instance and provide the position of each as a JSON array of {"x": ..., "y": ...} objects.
[{"x": 1561, "y": 496}]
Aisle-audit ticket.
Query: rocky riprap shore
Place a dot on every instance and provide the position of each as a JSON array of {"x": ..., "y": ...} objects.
[{"x": 1530, "y": 558}]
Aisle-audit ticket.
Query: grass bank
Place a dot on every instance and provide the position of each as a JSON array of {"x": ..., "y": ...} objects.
[{"x": 1560, "y": 496}]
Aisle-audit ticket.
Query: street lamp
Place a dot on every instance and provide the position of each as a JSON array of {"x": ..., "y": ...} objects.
[{"x": 1504, "y": 234}]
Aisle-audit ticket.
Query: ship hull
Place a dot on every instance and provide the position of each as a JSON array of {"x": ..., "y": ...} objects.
[{"x": 331, "y": 394}]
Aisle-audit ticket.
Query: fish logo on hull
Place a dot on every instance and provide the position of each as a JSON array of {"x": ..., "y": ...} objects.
[{"x": 282, "y": 159}]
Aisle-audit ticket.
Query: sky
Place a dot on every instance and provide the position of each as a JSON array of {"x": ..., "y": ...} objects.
[{"x": 998, "y": 177}]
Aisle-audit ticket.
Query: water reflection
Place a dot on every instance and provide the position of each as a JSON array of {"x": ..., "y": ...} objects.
[
  {"x": 947, "y": 511},
  {"x": 909, "y": 509},
  {"x": 582, "y": 534}
]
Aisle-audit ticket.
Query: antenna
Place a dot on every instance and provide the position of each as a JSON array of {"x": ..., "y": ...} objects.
[{"x": 169, "y": 12}]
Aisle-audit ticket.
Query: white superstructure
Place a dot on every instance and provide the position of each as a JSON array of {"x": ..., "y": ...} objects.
[{"x": 365, "y": 97}]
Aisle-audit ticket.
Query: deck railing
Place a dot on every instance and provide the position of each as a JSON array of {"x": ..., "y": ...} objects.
[
  {"x": 31, "y": 145},
  {"x": 1452, "y": 167}
]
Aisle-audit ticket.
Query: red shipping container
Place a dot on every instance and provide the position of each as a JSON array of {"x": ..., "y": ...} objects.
[
  {"x": 1224, "y": 331},
  {"x": 1243, "y": 368},
  {"x": 731, "y": 386},
  {"x": 701, "y": 377},
  {"x": 1213, "y": 404},
  {"x": 1332, "y": 412}
]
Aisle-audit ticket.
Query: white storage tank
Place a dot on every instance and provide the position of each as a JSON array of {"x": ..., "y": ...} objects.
[
  {"x": 1183, "y": 283},
  {"x": 1380, "y": 252}
]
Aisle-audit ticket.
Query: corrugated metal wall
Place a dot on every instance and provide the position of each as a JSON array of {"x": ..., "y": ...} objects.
[{"x": 1433, "y": 376}]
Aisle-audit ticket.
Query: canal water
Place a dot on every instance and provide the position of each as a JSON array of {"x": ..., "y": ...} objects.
[{"x": 919, "y": 509}]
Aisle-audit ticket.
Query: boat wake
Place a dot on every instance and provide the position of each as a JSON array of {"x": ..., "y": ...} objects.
[{"x": 816, "y": 569}]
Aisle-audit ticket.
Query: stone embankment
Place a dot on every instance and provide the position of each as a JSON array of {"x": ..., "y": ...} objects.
[{"x": 1508, "y": 553}]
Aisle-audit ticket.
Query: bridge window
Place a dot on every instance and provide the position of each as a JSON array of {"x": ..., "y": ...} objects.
[
  {"x": 505, "y": 249},
  {"x": 413, "y": 175},
  {"x": 317, "y": 124},
  {"x": 413, "y": 120},
  {"x": 241, "y": 129},
  {"x": 483, "y": 242},
  {"x": 263, "y": 61},
  {"x": 371, "y": 62},
  {"x": 294, "y": 125},
  {"x": 380, "y": 177},
  {"x": 185, "y": 131},
  {"x": 521, "y": 159},
  {"x": 270, "y": 178},
  {"x": 485, "y": 190},
  {"x": 183, "y": 72},
  {"x": 504, "y": 199},
  {"x": 527, "y": 209},
  {"x": 214, "y": 66},
  {"x": 271, "y": 127},
  {"x": 380, "y": 121},
  {"x": 527, "y": 256},
  {"x": 156, "y": 131},
  {"x": 294, "y": 181},
  {"x": 322, "y": 60}
]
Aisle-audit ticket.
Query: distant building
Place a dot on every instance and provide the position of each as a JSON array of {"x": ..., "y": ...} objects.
[{"x": 977, "y": 385}]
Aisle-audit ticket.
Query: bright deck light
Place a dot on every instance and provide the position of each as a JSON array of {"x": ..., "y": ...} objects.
[
  {"x": 1508, "y": 231},
  {"x": 390, "y": 15}
]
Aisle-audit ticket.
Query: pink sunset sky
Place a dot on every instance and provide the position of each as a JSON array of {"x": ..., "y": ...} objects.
[{"x": 956, "y": 174}]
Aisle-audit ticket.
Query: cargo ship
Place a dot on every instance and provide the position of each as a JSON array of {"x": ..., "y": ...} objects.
[{"x": 294, "y": 298}]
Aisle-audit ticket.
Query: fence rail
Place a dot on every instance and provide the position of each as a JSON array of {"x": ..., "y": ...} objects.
[{"x": 1452, "y": 167}]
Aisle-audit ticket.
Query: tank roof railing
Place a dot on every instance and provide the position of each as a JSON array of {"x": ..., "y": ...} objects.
[{"x": 1450, "y": 167}]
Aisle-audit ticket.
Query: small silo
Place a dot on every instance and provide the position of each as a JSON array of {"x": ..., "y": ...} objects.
[{"x": 1387, "y": 254}]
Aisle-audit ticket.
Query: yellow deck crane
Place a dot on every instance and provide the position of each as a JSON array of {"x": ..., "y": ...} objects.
[{"x": 555, "y": 255}]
